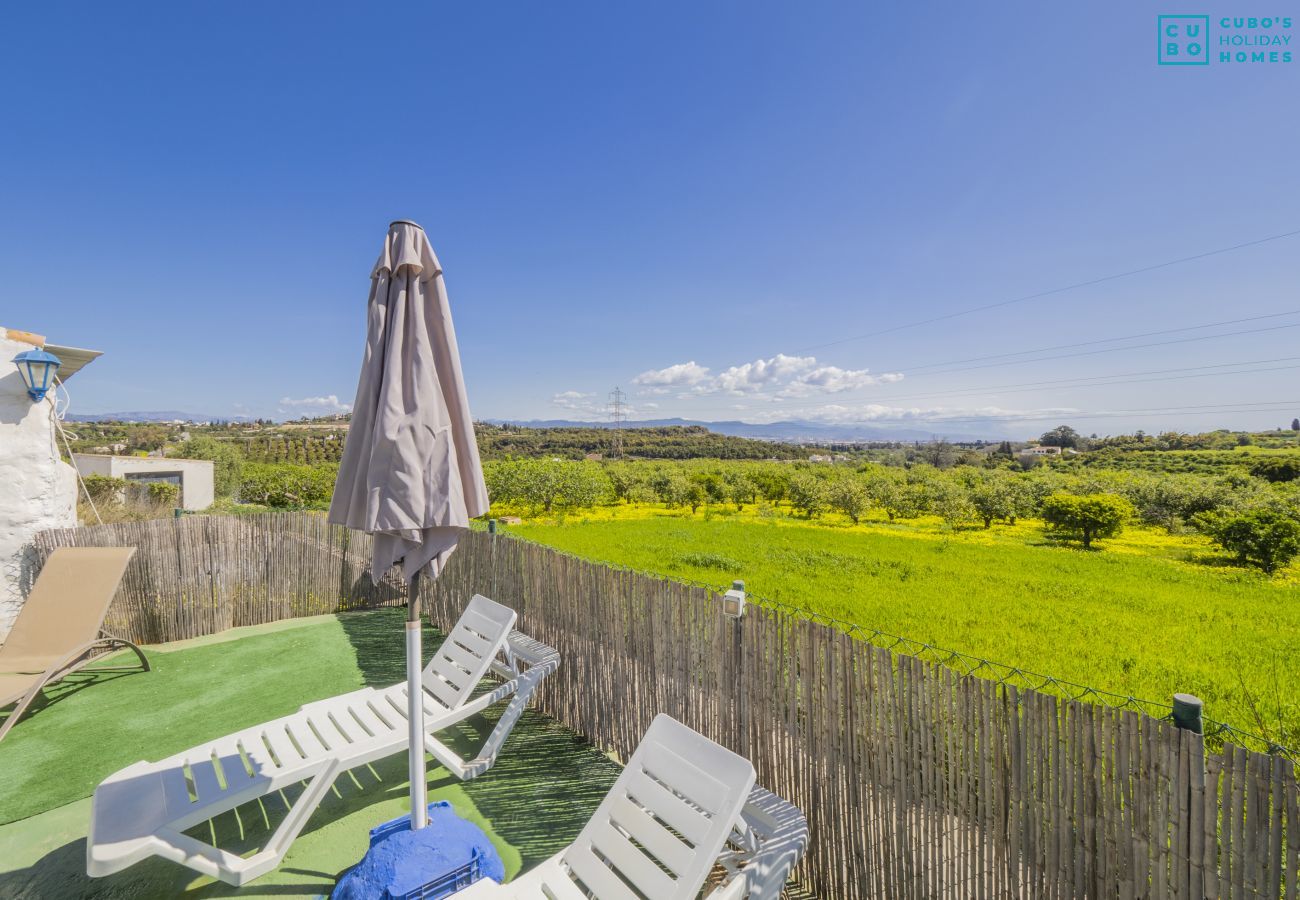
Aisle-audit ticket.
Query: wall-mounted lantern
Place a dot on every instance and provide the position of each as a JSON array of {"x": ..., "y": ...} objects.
[
  {"x": 37, "y": 368},
  {"x": 733, "y": 601}
]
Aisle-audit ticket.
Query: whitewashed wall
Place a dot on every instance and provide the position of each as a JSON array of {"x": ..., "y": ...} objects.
[{"x": 37, "y": 489}]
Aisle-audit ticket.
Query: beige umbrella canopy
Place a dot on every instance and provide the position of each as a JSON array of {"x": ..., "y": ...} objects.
[{"x": 410, "y": 473}]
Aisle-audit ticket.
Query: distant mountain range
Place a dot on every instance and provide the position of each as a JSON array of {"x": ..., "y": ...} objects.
[
  {"x": 794, "y": 431},
  {"x": 163, "y": 415}
]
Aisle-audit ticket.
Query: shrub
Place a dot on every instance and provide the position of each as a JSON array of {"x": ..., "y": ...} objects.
[
  {"x": 1266, "y": 538},
  {"x": 1277, "y": 468},
  {"x": 287, "y": 486},
  {"x": 103, "y": 489},
  {"x": 1086, "y": 518}
]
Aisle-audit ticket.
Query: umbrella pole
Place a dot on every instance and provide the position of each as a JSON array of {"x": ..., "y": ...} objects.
[{"x": 415, "y": 708}]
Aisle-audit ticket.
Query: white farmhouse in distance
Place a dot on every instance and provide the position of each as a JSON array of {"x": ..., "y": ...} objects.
[{"x": 193, "y": 477}]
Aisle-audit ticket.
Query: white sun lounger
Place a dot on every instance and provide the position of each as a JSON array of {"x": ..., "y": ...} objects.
[
  {"x": 682, "y": 805},
  {"x": 144, "y": 809}
]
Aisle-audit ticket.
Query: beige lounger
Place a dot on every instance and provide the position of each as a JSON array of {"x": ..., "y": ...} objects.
[{"x": 61, "y": 626}]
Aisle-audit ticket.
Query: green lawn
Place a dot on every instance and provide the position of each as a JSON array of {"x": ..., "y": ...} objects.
[
  {"x": 1148, "y": 614},
  {"x": 544, "y": 786}
]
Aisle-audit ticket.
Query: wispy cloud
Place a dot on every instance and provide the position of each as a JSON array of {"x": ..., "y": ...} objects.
[
  {"x": 855, "y": 413},
  {"x": 780, "y": 376},
  {"x": 327, "y": 404},
  {"x": 575, "y": 400}
]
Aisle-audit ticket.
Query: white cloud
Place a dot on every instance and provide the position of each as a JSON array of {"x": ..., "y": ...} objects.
[
  {"x": 834, "y": 380},
  {"x": 850, "y": 414},
  {"x": 328, "y": 404},
  {"x": 777, "y": 377},
  {"x": 762, "y": 373},
  {"x": 576, "y": 400},
  {"x": 681, "y": 375}
]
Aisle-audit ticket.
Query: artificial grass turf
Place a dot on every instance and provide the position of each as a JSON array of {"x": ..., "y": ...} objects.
[
  {"x": 94, "y": 725},
  {"x": 544, "y": 787}
]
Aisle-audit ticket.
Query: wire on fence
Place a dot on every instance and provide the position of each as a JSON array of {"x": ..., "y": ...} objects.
[{"x": 1216, "y": 732}]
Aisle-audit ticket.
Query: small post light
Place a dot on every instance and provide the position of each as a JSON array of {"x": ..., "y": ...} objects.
[
  {"x": 733, "y": 601},
  {"x": 37, "y": 368},
  {"x": 1188, "y": 713}
]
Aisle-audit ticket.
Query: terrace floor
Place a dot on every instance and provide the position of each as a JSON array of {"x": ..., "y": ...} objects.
[{"x": 545, "y": 785}]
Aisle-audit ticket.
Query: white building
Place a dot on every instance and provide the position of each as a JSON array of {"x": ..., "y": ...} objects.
[
  {"x": 37, "y": 489},
  {"x": 192, "y": 477}
]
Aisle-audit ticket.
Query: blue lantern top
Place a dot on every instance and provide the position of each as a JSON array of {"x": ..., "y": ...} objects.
[{"x": 37, "y": 368}]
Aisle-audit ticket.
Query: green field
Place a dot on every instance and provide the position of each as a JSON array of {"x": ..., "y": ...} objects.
[{"x": 1149, "y": 614}]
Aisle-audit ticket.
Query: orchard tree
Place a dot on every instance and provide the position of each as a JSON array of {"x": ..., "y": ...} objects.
[
  {"x": 741, "y": 489},
  {"x": 849, "y": 496},
  {"x": 1267, "y": 538},
  {"x": 1086, "y": 518},
  {"x": 808, "y": 493},
  {"x": 994, "y": 497}
]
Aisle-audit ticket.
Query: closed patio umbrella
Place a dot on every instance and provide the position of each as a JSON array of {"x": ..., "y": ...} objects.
[{"x": 410, "y": 473}]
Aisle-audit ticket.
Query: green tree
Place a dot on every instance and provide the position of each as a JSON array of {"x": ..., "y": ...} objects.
[
  {"x": 808, "y": 493},
  {"x": 226, "y": 458},
  {"x": 1086, "y": 518},
  {"x": 949, "y": 501},
  {"x": 849, "y": 495},
  {"x": 741, "y": 489},
  {"x": 1261, "y": 537},
  {"x": 1061, "y": 436},
  {"x": 994, "y": 497}
]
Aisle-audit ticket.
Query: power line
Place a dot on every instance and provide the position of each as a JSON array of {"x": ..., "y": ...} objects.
[
  {"x": 1206, "y": 337},
  {"x": 1190, "y": 340},
  {"x": 1104, "y": 380},
  {"x": 1053, "y": 291},
  {"x": 1127, "y": 337},
  {"x": 1072, "y": 415}
]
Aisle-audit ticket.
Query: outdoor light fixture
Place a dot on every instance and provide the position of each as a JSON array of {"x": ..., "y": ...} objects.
[
  {"x": 733, "y": 601},
  {"x": 37, "y": 368}
]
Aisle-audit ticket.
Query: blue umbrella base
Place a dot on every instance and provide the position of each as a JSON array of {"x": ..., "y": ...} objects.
[{"x": 445, "y": 856}]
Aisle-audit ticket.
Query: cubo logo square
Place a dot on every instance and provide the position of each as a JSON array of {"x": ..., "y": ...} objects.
[{"x": 1183, "y": 40}]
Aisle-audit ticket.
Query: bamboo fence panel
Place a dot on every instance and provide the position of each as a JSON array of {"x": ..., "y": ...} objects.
[{"x": 918, "y": 782}]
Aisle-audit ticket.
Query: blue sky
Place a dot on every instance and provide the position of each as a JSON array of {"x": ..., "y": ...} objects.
[{"x": 698, "y": 202}]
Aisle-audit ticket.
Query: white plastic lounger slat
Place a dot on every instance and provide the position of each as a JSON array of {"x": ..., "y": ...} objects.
[
  {"x": 233, "y": 767},
  {"x": 276, "y": 746},
  {"x": 631, "y": 862},
  {"x": 557, "y": 883},
  {"x": 685, "y": 777},
  {"x": 144, "y": 809},
  {"x": 461, "y": 657},
  {"x": 472, "y": 642},
  {"x": 450, "y": 694},
  {"x": 367, "y": 720},
  {"x": 475, "y": 620},
  {"x": 658, "y": 841},
  {"x": 205, "y": 779},
  {"x": 690, "y": 822},
  {"x": 597, "y": 876},
  {"x": 300, "y": 734}
]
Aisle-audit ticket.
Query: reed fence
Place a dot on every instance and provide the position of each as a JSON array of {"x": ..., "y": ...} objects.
[{"x": 918, "y": 781}]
